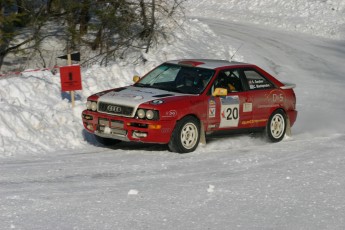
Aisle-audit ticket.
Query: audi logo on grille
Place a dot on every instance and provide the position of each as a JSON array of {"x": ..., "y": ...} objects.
[{"x": 113, "y": 108}]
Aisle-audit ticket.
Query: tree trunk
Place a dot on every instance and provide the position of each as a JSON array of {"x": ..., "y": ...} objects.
[
  {"x": 20, "y": 6},
  {"x": 3, "y": 41},
  {"x": 153, "y": 22},
  {"x": 49, "y": 6},
  {"x": 145, "y": 23},
  {"x": 84, "y": 17}
]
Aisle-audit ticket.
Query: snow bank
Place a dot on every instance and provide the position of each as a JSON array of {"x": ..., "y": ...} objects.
[
  {"x": 36, "y": 117},
  {"x": 318, "y": 17}
]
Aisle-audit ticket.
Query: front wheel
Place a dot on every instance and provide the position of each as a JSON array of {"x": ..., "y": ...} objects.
[
  {"x": 276, "y": 126},
  {"x": 186, "y": 135}
]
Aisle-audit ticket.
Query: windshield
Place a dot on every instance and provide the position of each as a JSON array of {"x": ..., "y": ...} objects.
[{"x": 176, "y": 78}]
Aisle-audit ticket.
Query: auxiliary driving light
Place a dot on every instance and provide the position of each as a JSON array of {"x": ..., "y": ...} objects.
[
  {"x": 90, "y": 126},
  {"x": 87, "y": 117},
  {"x": 137, "y": 134}
]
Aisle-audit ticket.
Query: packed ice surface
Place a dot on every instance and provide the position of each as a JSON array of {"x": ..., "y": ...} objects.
[{"x": 53, "y": 175}]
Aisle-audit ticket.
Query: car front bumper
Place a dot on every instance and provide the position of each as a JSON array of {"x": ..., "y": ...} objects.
[{"x": 127, "y": 129}]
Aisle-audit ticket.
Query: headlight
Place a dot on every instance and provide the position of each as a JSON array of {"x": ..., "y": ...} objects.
[
  {"x": 88, "y": 105},
  {"x": 93, "y": 106},
  {"x": 141, "y": 113},
  {"x": 150, "y": 114}
]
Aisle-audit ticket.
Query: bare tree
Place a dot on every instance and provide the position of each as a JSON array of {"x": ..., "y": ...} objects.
[
  {"x": 20, "y": 25},
  {"x": 105, "y": 29}
]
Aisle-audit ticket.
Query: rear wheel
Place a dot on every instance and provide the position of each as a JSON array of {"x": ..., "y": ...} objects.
[
  {"x": 106, "y": 141},
  {"x": 276, "y": 126},
  {"x": 186, "y": 135}
]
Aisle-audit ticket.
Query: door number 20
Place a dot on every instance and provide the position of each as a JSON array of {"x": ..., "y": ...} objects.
[{"x": 232, "y": 113}]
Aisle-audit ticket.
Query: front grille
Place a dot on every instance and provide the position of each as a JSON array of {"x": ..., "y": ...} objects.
[
  {"x": 109, "y": 131},
  {"x": 115, "y": 109}
]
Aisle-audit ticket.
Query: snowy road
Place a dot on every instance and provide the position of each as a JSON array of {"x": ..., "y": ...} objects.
[
  {"x": 238, "y": 182},
  {"x": 314, "y": 64}
]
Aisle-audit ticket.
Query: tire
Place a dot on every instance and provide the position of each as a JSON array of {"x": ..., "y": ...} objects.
[
  {"x": 186, "y": 135},
  {"x": 106, "y": 141},
  {"x": 276, "y": 126}
]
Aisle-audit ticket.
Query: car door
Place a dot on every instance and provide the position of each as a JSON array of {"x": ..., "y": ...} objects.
[{"x": 231, "y": 111}]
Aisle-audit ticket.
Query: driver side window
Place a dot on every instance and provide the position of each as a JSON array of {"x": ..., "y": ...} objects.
[{"x": 230, "y": 80}]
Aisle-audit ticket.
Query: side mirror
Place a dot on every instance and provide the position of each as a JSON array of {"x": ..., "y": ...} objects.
[
  {"x": 136, "y": 78},
  {"x": 220, "y": 92}
]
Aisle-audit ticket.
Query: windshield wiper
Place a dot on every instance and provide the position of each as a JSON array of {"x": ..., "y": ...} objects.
[{"x": 167, "y": 88}]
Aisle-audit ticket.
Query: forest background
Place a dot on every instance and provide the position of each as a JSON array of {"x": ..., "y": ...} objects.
[{"x": 102, "y": 31}]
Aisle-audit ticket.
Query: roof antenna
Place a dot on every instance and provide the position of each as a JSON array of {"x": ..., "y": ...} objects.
[{"x": 236, "y": 52}]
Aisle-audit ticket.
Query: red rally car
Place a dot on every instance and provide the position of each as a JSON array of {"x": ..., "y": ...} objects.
[{"x": 180, "y": 102}]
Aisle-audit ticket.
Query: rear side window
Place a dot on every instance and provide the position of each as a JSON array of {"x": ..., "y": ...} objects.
[{"x": 257, "y": 81}]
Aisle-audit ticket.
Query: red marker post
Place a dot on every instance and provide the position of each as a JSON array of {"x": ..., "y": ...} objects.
[{"x": 70, "y": 79}]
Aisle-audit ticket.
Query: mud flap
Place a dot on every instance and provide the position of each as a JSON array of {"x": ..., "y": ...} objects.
[
  {"x": 202, "y": 135},
  {"x": 288, "y": 127}
]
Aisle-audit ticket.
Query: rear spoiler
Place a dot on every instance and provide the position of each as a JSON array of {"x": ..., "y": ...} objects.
[{"x": 288, "y": 85}]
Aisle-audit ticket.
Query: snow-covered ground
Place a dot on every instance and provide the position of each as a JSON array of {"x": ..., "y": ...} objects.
[
  {"x": 53, "y": 175},
  {"x": 317, "y": 17}
]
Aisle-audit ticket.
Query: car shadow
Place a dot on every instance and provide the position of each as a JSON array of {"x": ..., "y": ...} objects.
[
  {"x": 222, "y": 136},
  {"x": 90, "y": 138}
]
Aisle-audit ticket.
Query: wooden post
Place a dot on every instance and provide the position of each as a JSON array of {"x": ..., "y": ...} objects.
[{"x": 69, "y": 62}]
